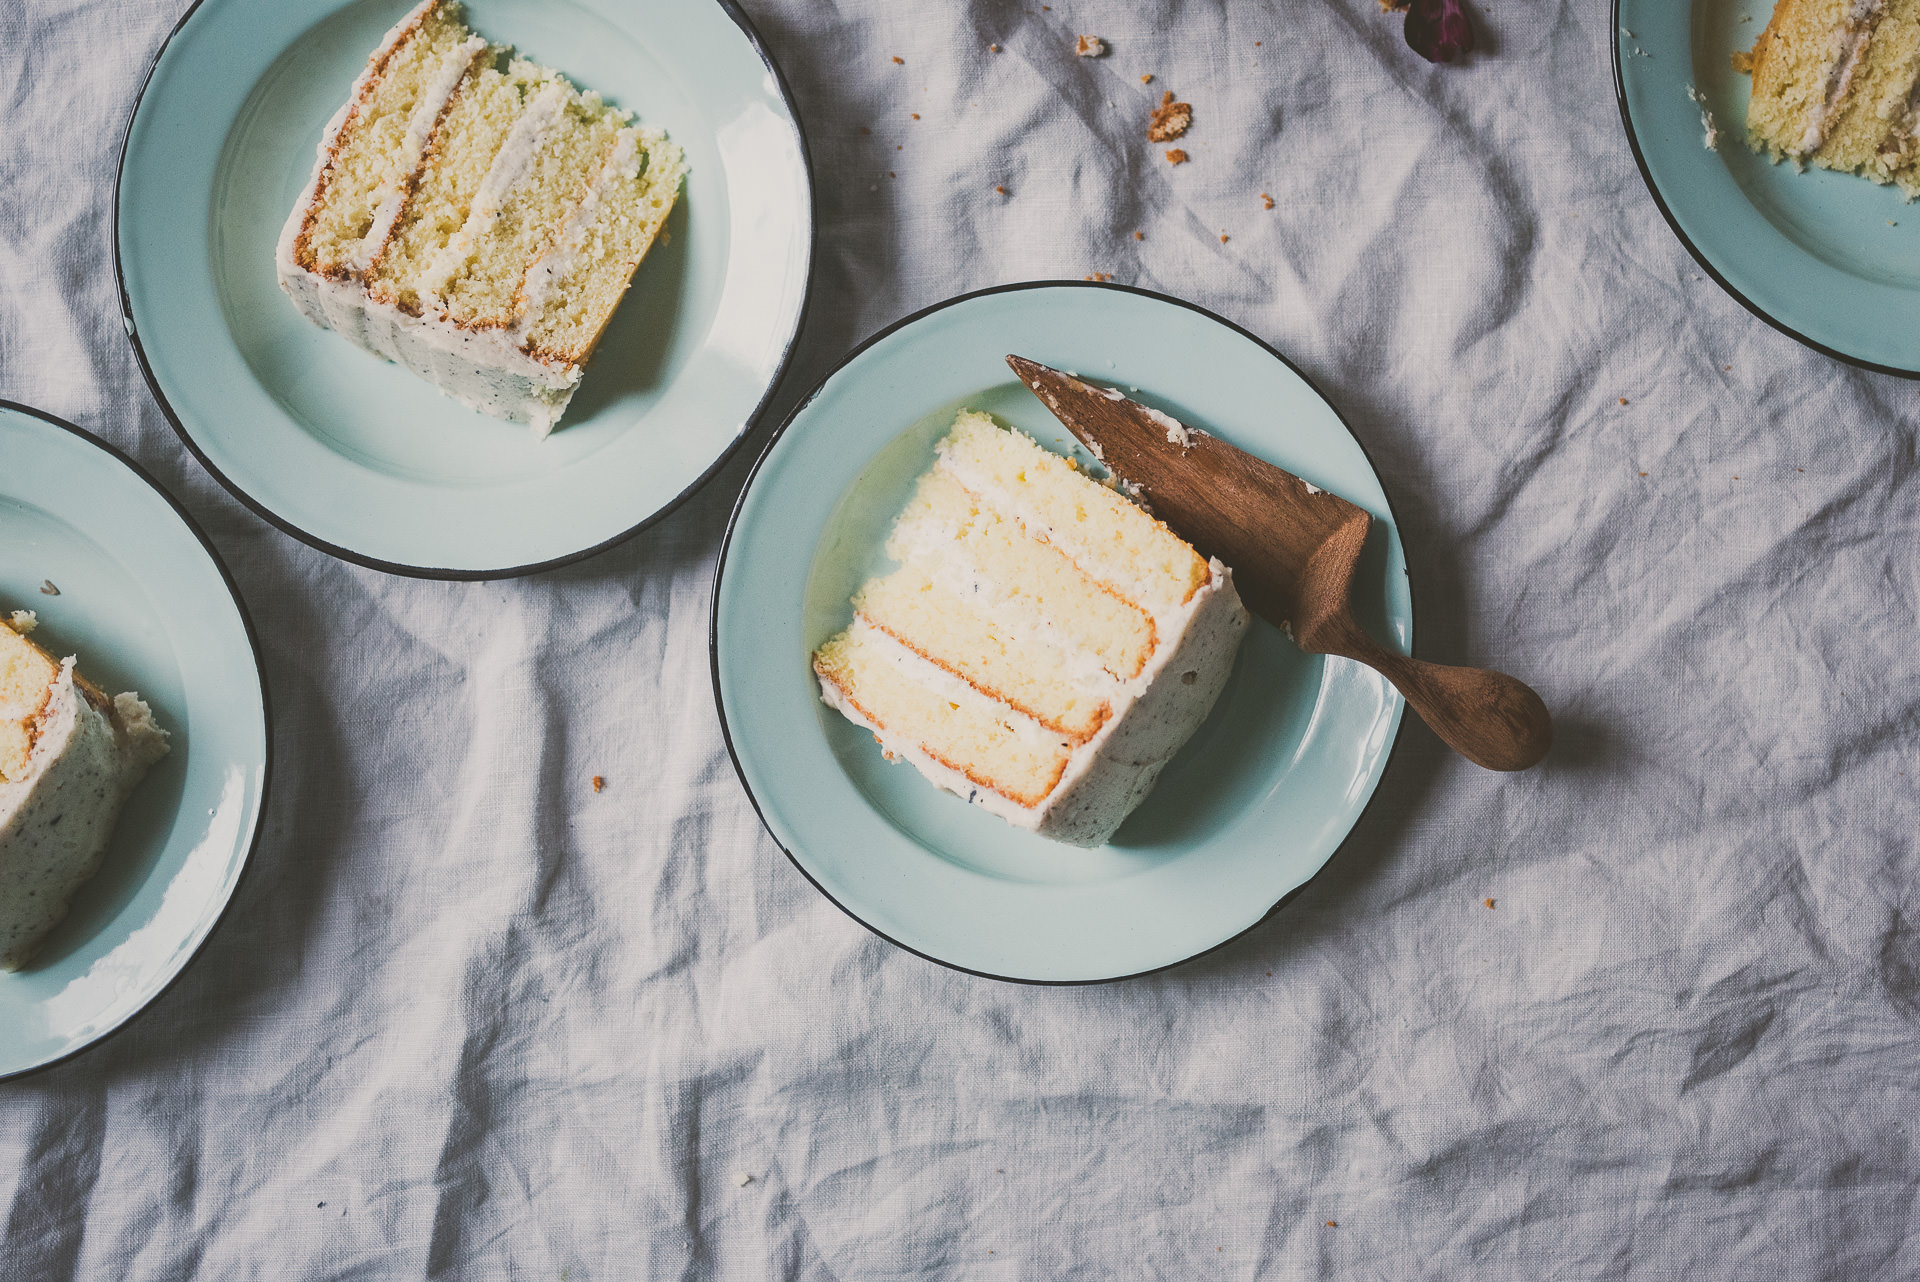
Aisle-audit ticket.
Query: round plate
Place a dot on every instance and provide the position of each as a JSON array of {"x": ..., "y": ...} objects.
[
  {"x": 359, "y": 457},
  {"x": 147, "y": 605},
  {"x": 1251, "y": 808},
  {"x": 1831, "y": 259}
]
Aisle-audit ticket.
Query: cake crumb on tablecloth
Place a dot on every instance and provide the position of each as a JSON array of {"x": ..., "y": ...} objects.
[{"x": 1169, "y": 120}]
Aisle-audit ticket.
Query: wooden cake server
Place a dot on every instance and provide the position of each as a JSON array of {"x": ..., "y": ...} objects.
[{"x": 1292, "y": 548}]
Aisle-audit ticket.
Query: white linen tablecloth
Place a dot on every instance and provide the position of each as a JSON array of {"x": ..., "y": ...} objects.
[{"x": 469, "y": 1020}]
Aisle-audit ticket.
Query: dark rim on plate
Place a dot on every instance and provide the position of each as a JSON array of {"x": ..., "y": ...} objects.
[
  {"x": 726, "y": 544},
  {"x": 266, "y": 728},
  {"x": 1660, "y": 203},
  {"x": 733, "y": 10}
]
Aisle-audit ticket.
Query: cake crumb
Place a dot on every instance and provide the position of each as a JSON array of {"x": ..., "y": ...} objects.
[
  {"x": 1147, "y": 79},
  {"x": 743, "y": 1179},
  {"x": 599, "y": 782},
  {"x": 1089, "y": 47},
  {"x": 993, "y": 48},
  {"x": 1169, "y": 120},
  {"x": 1489, "y": 903},
  {"x": 47, "y": 588},
  {"x": 899, "y": 60},
  {"x": 1643, "y": 473},
  {"x": 24, "y": 621},
  {"x": 914, "y": 114},
  {"x": 1623, "y": 400},
  {"x": 1333, "y": 1224},
  {"x": 999, "y": 191},
  {"x": 1139, "y": 235},
  {"x": 1742, "y": 61},
  {"x": 1223, "y": 238},
  {"x": 1176, "y": 157}
]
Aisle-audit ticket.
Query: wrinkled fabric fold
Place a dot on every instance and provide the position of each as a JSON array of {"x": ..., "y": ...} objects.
[{"x": 1650, "y": 1010}]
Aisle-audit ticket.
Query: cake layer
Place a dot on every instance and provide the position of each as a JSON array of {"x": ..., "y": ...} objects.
[
  {"x": 1834, "y": 84},
  {"x": 483, "y": 112},
  {"x": 571, "y": 293},
  {"x": 905, "y": 698},
  {"x": 567, "y": 156},
  {"x": 1111, "y": 540},
  {"x": 980, "y": 552},
  {"x": 26, "y": 680},
  {"x": 1018, "y": 666},
  {"x": 372, "y": 151}
]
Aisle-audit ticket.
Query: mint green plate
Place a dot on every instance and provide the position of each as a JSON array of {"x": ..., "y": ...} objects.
[
  {"x": 146, "y": 604},
  {"x": 1831, "y": 259},
  {"x": 1252, "y": 807},
  {"x": 362, "y": 459}
]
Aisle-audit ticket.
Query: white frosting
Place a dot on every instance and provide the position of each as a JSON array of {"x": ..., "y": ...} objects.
[
  {"x": 483, "y": 369},
  {"x": 420, "y": 126},
  {"x": 933, "y": 546},
  {"x": 1846, "y": 48},
  {"x": 511, "y": 163},
  {"x": 622, "y": 164},
  {"x": 1178, "y": 433},
  {"x": 1153, "y": 716},
  {"x": 56, "y": 822}
]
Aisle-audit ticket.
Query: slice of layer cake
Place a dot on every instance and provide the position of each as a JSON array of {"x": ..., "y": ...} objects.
[
  {"x": 475, "y": 218},
  {"x": 68, "y": 758},
  {"x": 1837, "y": 83},
  {"x": 1044, "y": 647}
]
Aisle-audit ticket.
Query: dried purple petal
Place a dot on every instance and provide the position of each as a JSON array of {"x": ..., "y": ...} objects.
[{"x": 1438, "y": 30}]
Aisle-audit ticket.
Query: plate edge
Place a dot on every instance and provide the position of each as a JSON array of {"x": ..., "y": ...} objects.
[
  {"x": 266, "y": 729},
  {"x": 739, "y": 16}
]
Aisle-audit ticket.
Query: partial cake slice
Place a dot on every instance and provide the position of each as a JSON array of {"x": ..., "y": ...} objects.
[
  {"x": 1836, "y": 83},
  {"x": 476, "y": 222},
  {"x": 68, "y": 758},
  {"x": 1044, "y": 647}
]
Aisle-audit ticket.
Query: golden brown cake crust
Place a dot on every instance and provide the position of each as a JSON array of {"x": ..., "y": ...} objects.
[{"x": 376, "y": 72}]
